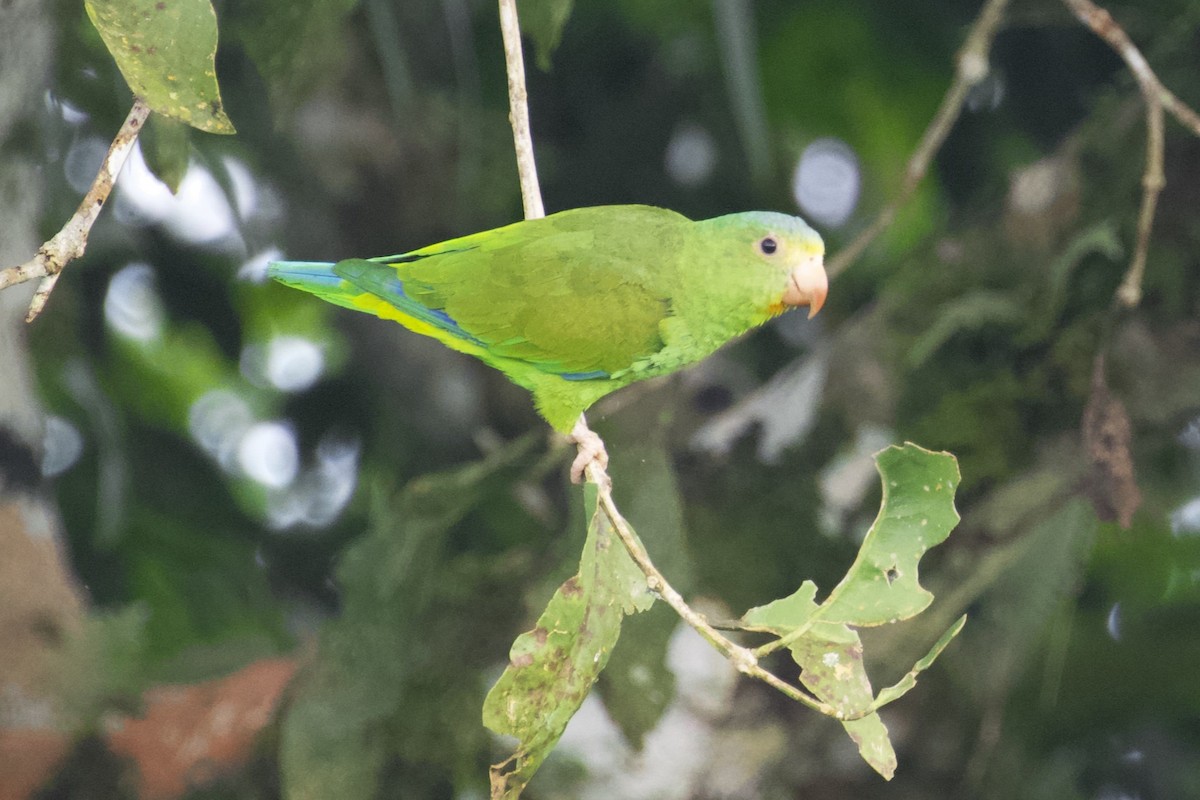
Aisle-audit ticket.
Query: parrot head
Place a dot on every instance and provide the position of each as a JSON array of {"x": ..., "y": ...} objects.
[{"x": 793, "y": 252}]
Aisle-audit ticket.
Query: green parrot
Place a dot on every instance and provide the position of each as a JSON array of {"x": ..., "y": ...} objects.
[{"x": 578, "y": 304}]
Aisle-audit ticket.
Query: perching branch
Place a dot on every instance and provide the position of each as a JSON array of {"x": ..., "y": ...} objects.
[
  {"x": 972, "y": 68},
  {"x": 70, "y": 242},
  {"x": 1157, "y": 98},
  {"x": 588, "y": 442},
  {"x": 518, "y": 115}
]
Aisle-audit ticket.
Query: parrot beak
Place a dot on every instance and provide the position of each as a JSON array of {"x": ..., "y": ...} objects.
[{"x": 808, "y": 284}]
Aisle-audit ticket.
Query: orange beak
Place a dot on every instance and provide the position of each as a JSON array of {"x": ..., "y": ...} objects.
[{"x": 807, "y": 286}]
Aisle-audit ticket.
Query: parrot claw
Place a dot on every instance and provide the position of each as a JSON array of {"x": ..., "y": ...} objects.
[{"x": 591, "y": 448}]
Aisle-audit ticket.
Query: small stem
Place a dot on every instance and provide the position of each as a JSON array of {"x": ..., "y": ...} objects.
[
  {"x": 518, "y": 104},
  {"x": 1101, "y": 23},
  {"x": 1157, "y": 98},
  {"x": 972, "y": 68},
  {"x": 70, "y": 242},
  {"x": 1129, "y": 293}
]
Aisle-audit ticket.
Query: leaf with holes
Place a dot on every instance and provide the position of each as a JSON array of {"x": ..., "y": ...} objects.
[
  {"x": 880, "y": 587},
  {"x": 830, "y": 656},
  {"x": 166, "y": 51},
  {"x": 553, "y": 667},
  {"x": 917, "y": 512}
]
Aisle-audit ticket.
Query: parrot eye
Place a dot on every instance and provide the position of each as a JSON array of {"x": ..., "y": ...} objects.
[{"x": 768, "y": 245}]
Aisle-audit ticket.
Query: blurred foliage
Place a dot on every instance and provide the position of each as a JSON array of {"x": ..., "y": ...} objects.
[
  {"x": 381, "y": 686},
  {"x": 971, "y": 327},
  {"x": 543, "y": 21}
]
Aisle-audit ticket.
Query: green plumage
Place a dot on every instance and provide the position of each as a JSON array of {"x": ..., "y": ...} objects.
[{"x": 580, "y": 303}]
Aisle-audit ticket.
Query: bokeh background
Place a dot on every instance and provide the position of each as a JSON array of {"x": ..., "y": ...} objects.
[{"x": 222, "y": 477}]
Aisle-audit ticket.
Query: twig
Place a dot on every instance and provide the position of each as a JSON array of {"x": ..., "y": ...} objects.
[
  {"x": 518, "y": 115},
  {"x": 1129, "y": 293},
  {"x": 1157, "y": 98},
  {"x": 70, "y": 242},
  {"x": 743, "y": 659},
  {"x": 972, "y": 68}
]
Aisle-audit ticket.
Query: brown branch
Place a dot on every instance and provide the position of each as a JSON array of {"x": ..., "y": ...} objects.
[
  {"x": 1103, "y": 25},
  {"x": 972, "y": 68},
  {"x": 1157, "y": 98},
  {"x": 70, "y": 242},
  {"x": 589, "y": 444}
]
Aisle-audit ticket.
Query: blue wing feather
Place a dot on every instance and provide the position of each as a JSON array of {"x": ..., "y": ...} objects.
[{"x": 382, "y": 281}]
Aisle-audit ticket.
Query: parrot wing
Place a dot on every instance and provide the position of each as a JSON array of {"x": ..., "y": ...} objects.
[{"x": 581, "y": 294}]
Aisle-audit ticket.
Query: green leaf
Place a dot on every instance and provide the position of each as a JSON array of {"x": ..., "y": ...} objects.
[
  {"x": 167, "y": 149},
  {"x": 830, "y": 656},
  {"x": 881, "y": 586},
  {"x": 786, "y": 614},
  {"x": 871, "y": 736},
  {"x": 543, "y": 21},
  {"x": 553, "y": 667},
  {"x": 166, "y": 51},
  {"x": 917, "y": 512},
  {"x": 905, "y": 684}
]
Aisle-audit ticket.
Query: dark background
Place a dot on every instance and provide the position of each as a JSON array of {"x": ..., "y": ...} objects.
[{"x": 242, "y": 472}]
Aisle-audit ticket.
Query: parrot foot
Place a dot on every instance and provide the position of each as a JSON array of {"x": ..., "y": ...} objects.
[{"x": 591, "y": 448}]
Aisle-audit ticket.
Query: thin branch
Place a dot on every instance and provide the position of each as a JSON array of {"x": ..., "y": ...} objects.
[
  {"x": 70, "y": 242},
  {"x": 743, "y": 659},
  {"x": 1157, "y": 98},
  {"x": 1103, "y": 25},
  {"x": 518, "y": 115},
  {"x": 972, "y": 68},
  {"x": 1129, "y": 293}
]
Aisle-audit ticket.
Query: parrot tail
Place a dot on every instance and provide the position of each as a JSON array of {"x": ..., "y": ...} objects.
[
  {"x": 307, "y": 275},
  {"x": 315, "y": 277}
]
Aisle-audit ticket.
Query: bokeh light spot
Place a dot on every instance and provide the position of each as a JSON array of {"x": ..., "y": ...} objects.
[
  {"x": 217, "y": 420},
  {"x": 267, "y": 453},
  {"x": 83, "y": 162},
  {"x": 197, "y": 213},
  {"x": 826, "y": 182},
  {"x": 691, "y": 155},
  {"x": 293, "y": 364},
  {"x": 62, "y": 445},
  {"x": 131, "y": 304}
]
